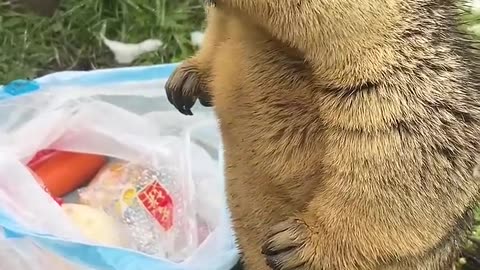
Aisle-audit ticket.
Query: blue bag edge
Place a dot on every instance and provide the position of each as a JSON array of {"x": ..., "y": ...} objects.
[{"x": 88, "y": 78}]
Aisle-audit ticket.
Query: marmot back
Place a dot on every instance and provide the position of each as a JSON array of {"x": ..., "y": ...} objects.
[{"x": 351, "y": 129}]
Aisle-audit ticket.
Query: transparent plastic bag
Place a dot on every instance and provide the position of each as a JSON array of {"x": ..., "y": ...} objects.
[{"x": 122, "y": 114}]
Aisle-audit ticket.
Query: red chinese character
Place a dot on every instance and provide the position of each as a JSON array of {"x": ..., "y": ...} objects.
[
  {"x": 164, "y": 216},
  {"x": 158, "y": 203},
  {"x": 149, "y": 200}
]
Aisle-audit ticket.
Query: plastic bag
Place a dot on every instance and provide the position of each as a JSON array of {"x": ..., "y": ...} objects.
[{"x": 124, "y": 114}]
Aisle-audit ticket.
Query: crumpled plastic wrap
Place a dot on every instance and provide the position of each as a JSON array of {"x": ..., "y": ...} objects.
[{"x": 150, "y": 203}]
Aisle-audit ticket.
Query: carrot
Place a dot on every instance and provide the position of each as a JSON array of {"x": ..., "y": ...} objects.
[{"x": 63, "y": 172}]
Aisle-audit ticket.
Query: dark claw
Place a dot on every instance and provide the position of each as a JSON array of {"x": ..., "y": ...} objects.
[
  {"x": 183, "y": 103},
  {"x": 205, "y": 103},
  {"x": 205, "y": 100},
  {"x": 188, "y": 103},
  {"x": 184, "y": 87},
  {"x": 279, "y": 261},
  {"x": 169, "y": 96},
  {"x": 284, "y": 246},
  {"x": 168, "y": 90},
  {"x": 270, "y": 251},
  {"x": 275, "y": 258},
  {"x": 273, "y": 262},
  {"x": 175, "y": 94}
]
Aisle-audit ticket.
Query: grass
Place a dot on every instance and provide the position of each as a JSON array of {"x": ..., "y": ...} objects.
[{"x": 32, "y": 46}]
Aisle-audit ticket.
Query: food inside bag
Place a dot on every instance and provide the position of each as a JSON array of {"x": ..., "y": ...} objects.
[
  {"x": 125, "y": 204},
  {"x": 141, "y": 198},
  {"x": 116, "y": 170}
]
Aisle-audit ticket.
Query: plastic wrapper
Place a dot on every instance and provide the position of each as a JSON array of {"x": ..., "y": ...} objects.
[{"x": 152, "y": 204}]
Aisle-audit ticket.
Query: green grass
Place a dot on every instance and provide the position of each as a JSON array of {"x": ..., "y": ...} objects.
[{"x": 31, "y": 46}]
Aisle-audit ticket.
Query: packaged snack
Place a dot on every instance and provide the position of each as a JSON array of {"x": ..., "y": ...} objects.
[
  {"x": 142, "y": 199},
  {"x": 96, "y": 225}
]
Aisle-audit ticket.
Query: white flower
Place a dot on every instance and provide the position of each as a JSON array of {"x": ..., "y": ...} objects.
[
  {"x": 125, "y": 53},
  {"x": 196, "y": 38}
]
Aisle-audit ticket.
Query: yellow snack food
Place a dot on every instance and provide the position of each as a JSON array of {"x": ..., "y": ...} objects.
[{"x": 94, "y": 224}]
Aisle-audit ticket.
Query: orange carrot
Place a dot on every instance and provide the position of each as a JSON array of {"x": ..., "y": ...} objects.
[{"x": 63, "y": 172}]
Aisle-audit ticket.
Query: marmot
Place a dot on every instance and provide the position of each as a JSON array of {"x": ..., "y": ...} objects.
[{"x": 351, "y": 129}]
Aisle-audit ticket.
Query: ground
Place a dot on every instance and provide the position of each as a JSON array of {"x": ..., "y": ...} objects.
[{"x": 33, "y": 46}]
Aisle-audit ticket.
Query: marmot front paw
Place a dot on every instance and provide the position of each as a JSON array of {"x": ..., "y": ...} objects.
[
  {"x": 290, "y": 246},
  {"x": 185, "y": 86}
]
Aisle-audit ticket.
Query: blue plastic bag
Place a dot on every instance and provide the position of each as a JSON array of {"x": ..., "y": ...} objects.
[{"x": 117, "y": 112}]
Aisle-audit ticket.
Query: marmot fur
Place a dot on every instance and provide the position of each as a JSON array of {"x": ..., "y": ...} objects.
[{"x": 351, "y": 129}]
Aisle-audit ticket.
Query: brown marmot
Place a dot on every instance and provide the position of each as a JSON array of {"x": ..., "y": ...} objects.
[{"x": 351, "y": 129}]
